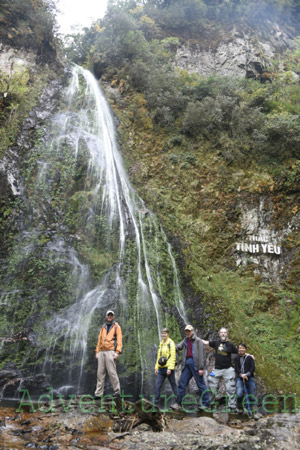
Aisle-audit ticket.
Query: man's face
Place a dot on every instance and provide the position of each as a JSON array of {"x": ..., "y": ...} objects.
[
  {"x": 189, "y": 333},
  {"x": 242, "y": 350},
  {"x": 223, "y": 334},
  {"x": 109, "y": 317}
]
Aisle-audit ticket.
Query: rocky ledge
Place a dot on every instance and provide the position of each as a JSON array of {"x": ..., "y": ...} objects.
[
  {"x": 68, "y": 427},
  {"x": 241, "y": 52}
]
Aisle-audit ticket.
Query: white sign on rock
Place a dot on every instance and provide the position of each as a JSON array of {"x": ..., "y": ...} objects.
[{"x": 259, "y": 244}]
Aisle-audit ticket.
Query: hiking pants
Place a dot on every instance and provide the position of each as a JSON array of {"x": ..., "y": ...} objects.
[
  {"x": 107, "y": 363},
  {"x": 228, "y": 376},
  {"x": 160, "y": 378}
]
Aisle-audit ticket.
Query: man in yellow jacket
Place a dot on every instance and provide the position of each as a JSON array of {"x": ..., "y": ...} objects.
[{"x": 108, "y": 348}]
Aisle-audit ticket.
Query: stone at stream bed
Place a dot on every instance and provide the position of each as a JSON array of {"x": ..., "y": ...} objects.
[
  {"x": 206, "y": 433},
  {"x": 101, "y": 422},
  {"x": 73, "y": 430}
]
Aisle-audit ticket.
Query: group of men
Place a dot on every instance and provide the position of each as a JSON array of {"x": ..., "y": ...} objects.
[{"x": 238, "y": 381}]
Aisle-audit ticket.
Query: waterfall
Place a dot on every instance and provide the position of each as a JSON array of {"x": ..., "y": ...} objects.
[{"x": 112, "y": 228}]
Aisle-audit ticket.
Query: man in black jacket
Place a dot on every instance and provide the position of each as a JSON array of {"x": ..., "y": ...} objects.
[
  {"x": 245, "y": 368},
  {"x": 193, "y": 366}
]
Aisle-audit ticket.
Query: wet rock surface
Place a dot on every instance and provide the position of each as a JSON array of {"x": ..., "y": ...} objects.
[
  {"x": 73, "y": 429},
  {"x": 13, "y": 379}
]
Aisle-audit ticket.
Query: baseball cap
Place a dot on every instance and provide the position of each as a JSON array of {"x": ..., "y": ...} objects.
[
  {"x": 189, "y": 328},
  {"x": 110, "y": 312}
]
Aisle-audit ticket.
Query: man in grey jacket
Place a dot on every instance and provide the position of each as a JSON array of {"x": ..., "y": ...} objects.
[{"x": 193, "y": 366}]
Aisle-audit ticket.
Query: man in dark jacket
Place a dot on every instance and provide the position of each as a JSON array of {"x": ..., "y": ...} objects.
[
  {"x": 245, "y": 368},
  {"x": 193, "y": 366},
  {"x": 223, "y": 368}
]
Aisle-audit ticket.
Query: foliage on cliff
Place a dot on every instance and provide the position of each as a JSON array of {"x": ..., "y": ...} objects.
[
  {"x": 131, "y": 44},
  {"x": 201, "y": 150},
  {"x": 30, "y": 65},
  {"x": 29, "y": 24}
]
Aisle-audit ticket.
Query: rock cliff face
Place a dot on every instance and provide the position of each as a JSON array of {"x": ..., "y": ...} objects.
[
  {"x": 11, "y": 57},
  {"x": 13, "y": 62},
  {"x": 35, "y": 99},
  {"x": 240, "y": 52},
  {"x": 261, "y": 244}
]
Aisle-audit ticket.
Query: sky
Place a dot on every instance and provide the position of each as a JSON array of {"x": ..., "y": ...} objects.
[{"x": 79, "y": 13}]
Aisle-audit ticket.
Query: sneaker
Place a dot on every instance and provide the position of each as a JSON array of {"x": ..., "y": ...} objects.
[
  {"x": 233, "y": 410},
  {"x": 203, "y": 408},
  {"x": 211, "y": 408},
  {"x": 176, "y": 407}
]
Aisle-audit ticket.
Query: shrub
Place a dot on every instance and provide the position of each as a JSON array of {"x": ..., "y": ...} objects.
[{"x": 175, "y": 140}]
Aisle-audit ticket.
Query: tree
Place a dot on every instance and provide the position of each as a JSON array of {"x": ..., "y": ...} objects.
[{"x": 30, "y": 24}]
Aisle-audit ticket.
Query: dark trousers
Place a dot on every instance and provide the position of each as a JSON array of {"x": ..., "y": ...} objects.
[
  {"x": 250, "y": 386},
  {"x": 188, "y": 372},
  {"x": 160, "y": 378}
]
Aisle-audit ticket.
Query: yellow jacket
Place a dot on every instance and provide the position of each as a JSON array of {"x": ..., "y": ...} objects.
[
  {"x": 106, "y": 341},
  {"x": 167, "y": 349}
]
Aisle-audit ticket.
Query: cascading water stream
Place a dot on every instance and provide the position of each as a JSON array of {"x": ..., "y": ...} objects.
[{"x": 141, "y": 272}]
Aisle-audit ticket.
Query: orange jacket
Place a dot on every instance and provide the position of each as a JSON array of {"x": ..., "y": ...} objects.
[{"x": 106, "y": 341}]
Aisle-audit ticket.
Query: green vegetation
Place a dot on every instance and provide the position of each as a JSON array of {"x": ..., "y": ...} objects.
[
  {"x": 67, "y": 247},
  {"x": 19, "y": 93},
  {"x": 29, "y": 24},
  {"x": 201, "y": 149},
  {"x": 26, "y": 274}
]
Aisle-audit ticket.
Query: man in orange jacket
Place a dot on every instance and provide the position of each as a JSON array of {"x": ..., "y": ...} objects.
[{"x": 108, "y": 348}]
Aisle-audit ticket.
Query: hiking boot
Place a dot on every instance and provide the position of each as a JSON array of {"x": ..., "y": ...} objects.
[
  {"x": 118, "y": 401},
  {"x": 233, "y": 410},
  {"x": 203, "y": 408},
  {"x": 211, "y": 408}
]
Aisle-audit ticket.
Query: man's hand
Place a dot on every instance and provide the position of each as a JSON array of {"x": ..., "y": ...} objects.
[
  {"x": 168, "y": 372},
  {"x": 204, "y": 342},
  {"x": 244, "y": 376},
  {"x": 201, "y": 372},
  {"x": 116, "y": 356},
  {"x": 156, "y": 372}
]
